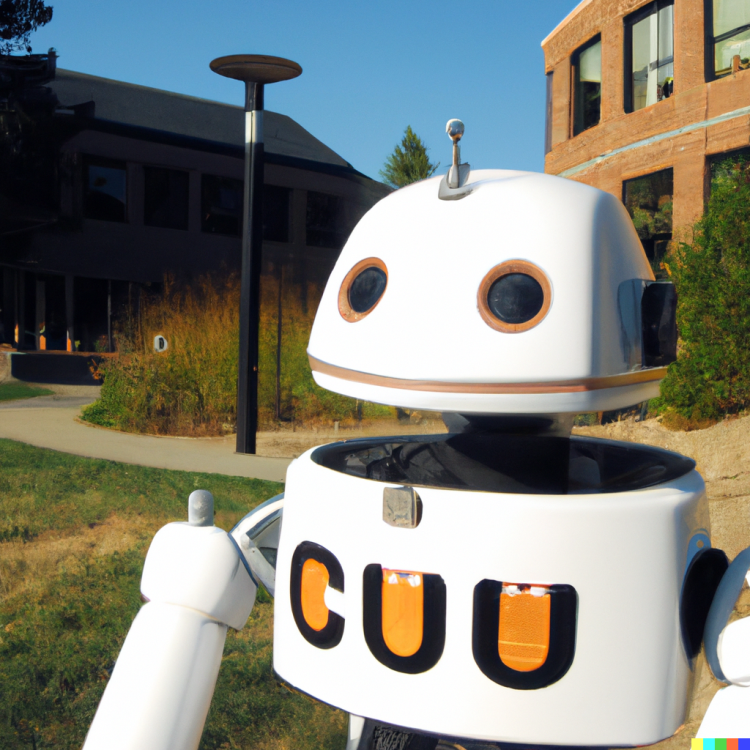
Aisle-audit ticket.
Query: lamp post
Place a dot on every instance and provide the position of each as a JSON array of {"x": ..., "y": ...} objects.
[{"x": 256, "y": 71}]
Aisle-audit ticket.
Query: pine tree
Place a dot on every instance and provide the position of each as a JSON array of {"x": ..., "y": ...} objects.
[
  {"x": 408, "y": 163},
  {"x": 18, "y": 18}
]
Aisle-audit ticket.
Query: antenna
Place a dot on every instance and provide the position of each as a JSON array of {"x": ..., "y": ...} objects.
[{"x": 458, "y": 174}]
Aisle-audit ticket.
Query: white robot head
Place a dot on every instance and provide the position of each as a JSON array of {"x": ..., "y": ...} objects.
[{"x": 494, "y": 292}]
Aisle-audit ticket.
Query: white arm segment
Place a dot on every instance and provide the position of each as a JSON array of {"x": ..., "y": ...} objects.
[
  {"x": 160, "y": 691},
  {"x": 161, "y": 688},
  {"x": 728, "y": 651}
]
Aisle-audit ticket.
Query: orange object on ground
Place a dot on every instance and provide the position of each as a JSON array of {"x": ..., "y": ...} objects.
[
  {"x": 403, "y": 611},
  {"x": 523, "y": 634},
  {"x": 312, "y": 597}
]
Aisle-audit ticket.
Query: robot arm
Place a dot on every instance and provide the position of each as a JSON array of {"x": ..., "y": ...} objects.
[
  {"x": 728, "y": 655},
  {"x": 197, "y": 580}
]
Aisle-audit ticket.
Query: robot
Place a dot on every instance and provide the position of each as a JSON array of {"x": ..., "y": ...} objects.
[{"x": 504, "y": 582}]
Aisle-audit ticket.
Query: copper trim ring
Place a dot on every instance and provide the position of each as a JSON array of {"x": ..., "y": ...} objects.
[
  {"x": 504, "y": 269},
  {"x": 345, "y": 308},
  {"x": 439, "y": 386}
]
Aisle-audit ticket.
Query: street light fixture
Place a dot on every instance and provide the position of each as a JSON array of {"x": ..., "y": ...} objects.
[{"x": 256, "y": 71}]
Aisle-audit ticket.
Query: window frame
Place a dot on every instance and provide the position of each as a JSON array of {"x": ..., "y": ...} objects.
[
  {"x": 596, "y": 39},
  {"x": 628, "y": 22},
  {"x": 329, "y": 238},
  {"x": 713, "y": 160},
  {"x": 91, "y": 160},
  {"x": 148, "y": 220},
  {"x": 655, "y": 261},
  {"x": 711, "y": 40},
  {"x": 268, "y": 195},
  {"x": 232, "y": 183}
]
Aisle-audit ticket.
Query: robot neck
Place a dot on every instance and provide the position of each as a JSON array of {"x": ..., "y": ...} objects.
[{"x": 543, "y": 425}]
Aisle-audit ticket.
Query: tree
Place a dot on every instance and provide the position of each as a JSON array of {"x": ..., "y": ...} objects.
[
  {"x": 18, "y": 18},
  {"x": 408, "y": 163},
  {"x": 711, "y": 376}
]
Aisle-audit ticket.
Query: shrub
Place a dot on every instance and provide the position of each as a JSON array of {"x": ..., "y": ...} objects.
[{"x": 711, "y": 376}]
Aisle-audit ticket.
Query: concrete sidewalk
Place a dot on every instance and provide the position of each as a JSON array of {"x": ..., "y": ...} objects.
[{"x": 50, "y": 422}]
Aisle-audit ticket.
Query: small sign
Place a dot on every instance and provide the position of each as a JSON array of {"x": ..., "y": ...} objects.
[{"x": 160, "y": 343}]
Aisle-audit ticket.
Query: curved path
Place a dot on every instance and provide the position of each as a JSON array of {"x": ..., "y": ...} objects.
[{"x": 50, "y": 422}]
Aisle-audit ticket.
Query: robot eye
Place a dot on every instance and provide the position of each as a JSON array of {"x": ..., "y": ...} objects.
[
  {"x": 362, "y": 289},
  {"x": 514, "y": 297}
]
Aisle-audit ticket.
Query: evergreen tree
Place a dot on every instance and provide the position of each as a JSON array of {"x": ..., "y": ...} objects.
[
  {"x": 18, "y": 18},
  {"x": 711, "y": 376},
  {"x": 408, "y": 163}
]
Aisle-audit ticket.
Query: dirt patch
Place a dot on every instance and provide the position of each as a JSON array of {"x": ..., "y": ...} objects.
[
  {"x": 720, "y": 451},
  {"x": 722, "y": 455}
]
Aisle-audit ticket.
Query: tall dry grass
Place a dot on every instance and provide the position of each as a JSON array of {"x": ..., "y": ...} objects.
[{"x": 190, "y": 389}]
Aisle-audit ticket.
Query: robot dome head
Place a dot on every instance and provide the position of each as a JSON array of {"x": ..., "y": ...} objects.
[{"x": 494, "y": 292}]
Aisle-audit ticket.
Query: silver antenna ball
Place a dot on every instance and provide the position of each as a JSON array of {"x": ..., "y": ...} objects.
[{"x": 455, "y": 129}]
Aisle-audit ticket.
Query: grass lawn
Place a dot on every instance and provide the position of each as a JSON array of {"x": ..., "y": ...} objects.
[
  {"x": 13, "y": 391},
  {"x": 73, "y": 536}
]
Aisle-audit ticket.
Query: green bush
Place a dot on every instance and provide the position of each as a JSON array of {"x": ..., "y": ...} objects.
[{"x": 711, "y": 376}]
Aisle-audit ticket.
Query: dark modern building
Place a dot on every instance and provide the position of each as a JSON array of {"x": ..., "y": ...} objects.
[{"x": 132, "y": 183}]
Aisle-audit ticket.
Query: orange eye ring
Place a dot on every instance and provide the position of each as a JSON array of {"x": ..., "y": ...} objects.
[
  {"x": 506, "y": 269},
  {"x": 346, "y": 309}
]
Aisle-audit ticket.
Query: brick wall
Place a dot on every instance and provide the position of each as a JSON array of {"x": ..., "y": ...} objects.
[{"x": 693, "y": 101}]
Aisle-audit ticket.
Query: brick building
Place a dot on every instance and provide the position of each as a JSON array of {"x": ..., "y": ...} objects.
[{"x": 645, "y": 99}]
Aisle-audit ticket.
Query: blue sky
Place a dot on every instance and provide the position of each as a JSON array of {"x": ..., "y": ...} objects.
[{"x": 369, "y": 69}]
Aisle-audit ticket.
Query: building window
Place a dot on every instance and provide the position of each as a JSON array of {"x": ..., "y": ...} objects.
[
  {"x": 649, "y": 55},
  {"x": 723, "y": 165},
  {"x": 165, "y": 202},
  {"x": 325, "y": 221},
  {"x": 649, "y": 203},
  {"x": 587, "y": 85},
  {"x": 276, "y": 213},
  {"x": 728, "y": 32},
  {"x": 221, "y": 208},
  {"x": 221, "y": 205},
  {"x": 548, "y": 115},
  {"x": 106, "y": 188}
]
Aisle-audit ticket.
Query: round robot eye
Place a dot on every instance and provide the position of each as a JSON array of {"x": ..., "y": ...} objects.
[
  {"x": 514, "y": 296},
  {"x": 367, "y": 289},
  {"x": 362, "y": 289}
]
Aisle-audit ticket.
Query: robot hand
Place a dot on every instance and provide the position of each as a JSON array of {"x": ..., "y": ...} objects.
[
  {"x": 728, "y": 655},
  {"x": 197, "y": 581}
]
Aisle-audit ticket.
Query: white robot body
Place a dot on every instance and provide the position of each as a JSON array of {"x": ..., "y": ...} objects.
[
  {"x": 624, "y": 553},
  {"x": 504, "y": 582}
]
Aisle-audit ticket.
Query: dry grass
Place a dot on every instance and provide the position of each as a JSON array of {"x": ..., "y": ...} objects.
[
  {"x": 190, "y": 389},
  {"x": 27, "y": 567}
]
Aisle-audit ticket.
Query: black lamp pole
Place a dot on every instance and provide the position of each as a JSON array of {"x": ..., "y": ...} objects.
[{"x": 255, "y": 71}]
